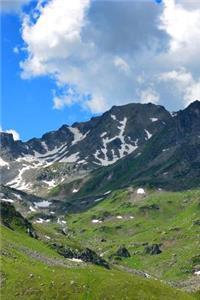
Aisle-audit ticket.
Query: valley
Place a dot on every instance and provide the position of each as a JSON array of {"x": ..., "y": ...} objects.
[{"x": 106, "y": 209}]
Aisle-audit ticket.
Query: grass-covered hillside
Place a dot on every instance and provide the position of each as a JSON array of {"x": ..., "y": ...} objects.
[
  {"x": 171, "y": 220},
  {"x": 149, "y": 240},
  {"x": 31, "y": 270}
]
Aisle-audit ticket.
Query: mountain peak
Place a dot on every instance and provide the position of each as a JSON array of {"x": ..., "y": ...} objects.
[
  {"x": 193, "y": 111},
  {"x": 194, "y": 105},
  {"x": 6, "y": 138}
]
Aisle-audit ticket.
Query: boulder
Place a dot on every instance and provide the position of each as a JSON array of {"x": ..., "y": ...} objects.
[
  {"x": 196, "y": 222},
  {"x": 153, "y": 249},
  {"x": 122, "y": 252},
  {"x": 87, "y": 255}
]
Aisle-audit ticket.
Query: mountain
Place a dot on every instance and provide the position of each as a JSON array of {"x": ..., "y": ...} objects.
[
  {"x": 134, "y": 143},
  {"x": 170, "y": 159},
  {"x": 97, "y": 202}
]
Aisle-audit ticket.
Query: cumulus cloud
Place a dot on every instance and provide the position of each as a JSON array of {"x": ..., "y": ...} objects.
[
  {"x": 188, "y": 88},
  {"x": 67, "y": 98},
  {"x": 112, "y": 52},
  {"x": 182, "y": 25},
  {"x": 149, "y": 95},
  {"x": 52, "y": 36}
]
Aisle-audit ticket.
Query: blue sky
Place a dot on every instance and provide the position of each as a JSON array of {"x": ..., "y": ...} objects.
[
  {"x": 27, "y": 104},
  {"x": 55, "y": 54}
]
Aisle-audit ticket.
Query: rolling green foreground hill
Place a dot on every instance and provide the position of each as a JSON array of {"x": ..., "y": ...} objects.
[
  {"x": 31, "y": 270},
  {"x": 124, "y": 222},
  {"x": 171, "y": 220}
]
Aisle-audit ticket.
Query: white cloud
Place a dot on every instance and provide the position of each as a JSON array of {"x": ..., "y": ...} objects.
[
  {"x": 97, "y": 104},
  {"x": 181, "y": 76},
  {"x": 183, "y": 27},
  {"x": 192, "y": 92},
  {"x": 15, "y": 134},
  {"x": 121, "y": 64},
  {"x": 59, "y": 102},
  {"x": 57, "y": 29},
  {"x": 114, "y": 51},
  {"x": 59, "y": 42},
  {"x": 149, "y": 95},
  {"x": 188, "y": 87}
]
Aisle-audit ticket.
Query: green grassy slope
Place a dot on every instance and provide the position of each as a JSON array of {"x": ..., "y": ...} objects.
[
  {"x": 169, "y": 219},
  {"x": 31, "y": 270}
]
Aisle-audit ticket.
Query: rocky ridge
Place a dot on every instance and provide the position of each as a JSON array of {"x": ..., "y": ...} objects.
[{"x": 143, "y": 133}]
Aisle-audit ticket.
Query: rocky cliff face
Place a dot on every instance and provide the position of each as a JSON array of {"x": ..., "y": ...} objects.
[
  {"x": 170, "y": 159},
  {"x": 144, "y": 135}
]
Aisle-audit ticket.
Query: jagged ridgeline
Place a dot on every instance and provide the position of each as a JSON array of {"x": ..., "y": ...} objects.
[{"x": 130, "y": 144}]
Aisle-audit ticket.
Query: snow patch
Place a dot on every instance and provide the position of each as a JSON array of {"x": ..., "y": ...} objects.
[
  {"x": 126, "y": 148},
  {"x": 50, "y": 183},
  {"x": 3, "y": 163},
  {"x": 78, "y": 136},
  {"x": 99, "y": 199},
  {"x": 108, "y": 192},
  {"x": 75, "y": 191},
  {"x": 154, "y": 119},
  {"x": 40, "y": 221},
  {"x": 61, "y": 222},
  {"x": 113, "y": 117},
  {"x": 95, "y": 221},
  {"x": 18, "y": 181},
  {"x": 42, "y": 204},
  {"x": 7, "y": 200},
  {"x": 173, "y": 114},
  {"x": 76, "y": 259},
  {"x": 197, "y": 273},
  {"x": 44, "y": 145},
  {"x": 140, "y": 191},
  {"x": 103, "y": 134},
  {"x": 17, "y": 196},
  {"x": 32, "y": 208},
  {"x": 163, "y": 150},
  {"x": 149, "y": 135},
  {"x": 83, "y": 162},
  {"x": 71, "y": 159}
]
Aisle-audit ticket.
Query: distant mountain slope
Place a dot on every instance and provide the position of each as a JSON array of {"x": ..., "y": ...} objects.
[
  {"x": 133, "y": 143},
  {"x": 170, "y": 159}
]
